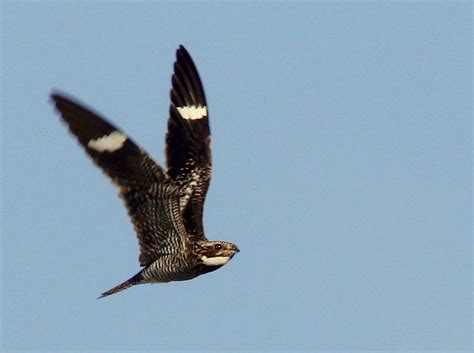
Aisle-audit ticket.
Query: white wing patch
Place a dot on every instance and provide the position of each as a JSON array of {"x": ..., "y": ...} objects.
[
  {"x": 192, "y": 112},
  {"x": 215, "y": 261},
  {"x": 110, "y": 143}
]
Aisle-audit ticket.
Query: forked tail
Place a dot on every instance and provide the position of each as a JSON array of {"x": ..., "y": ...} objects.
[{"x": 122, "y": 286}]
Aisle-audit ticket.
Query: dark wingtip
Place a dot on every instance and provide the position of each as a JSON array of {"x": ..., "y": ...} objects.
[
  {"x": 54, "y": 96},
  {"x": 58, "y": 99},
  {"x": 57, "y": 95},
  {"x": 182, "y": 51}
]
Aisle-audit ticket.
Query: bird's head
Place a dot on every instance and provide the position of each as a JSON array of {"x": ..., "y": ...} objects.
[{"x": 215, "y": 253}]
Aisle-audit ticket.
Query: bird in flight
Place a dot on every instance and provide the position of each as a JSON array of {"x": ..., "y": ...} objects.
[{"x": 166, "y": 207}]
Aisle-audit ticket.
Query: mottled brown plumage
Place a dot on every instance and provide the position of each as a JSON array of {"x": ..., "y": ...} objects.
[{"x": 166, "y": 208}]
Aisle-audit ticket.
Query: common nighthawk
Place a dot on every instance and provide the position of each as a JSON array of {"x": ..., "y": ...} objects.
[{"x": 165, "y": 207}]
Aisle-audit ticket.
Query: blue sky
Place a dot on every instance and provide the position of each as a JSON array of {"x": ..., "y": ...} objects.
[{"x": 342, "y": 169}]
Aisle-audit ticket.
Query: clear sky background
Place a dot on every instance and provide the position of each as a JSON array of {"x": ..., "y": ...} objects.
[{"x": 342, "y": 169}]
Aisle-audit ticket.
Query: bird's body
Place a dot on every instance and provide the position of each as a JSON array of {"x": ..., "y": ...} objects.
[{"x": 165, "y": 207}]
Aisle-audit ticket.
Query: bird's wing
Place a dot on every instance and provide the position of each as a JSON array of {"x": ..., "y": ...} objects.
[
  {"x": 152, "y": 201},
  {"x": 188, "y": 150},
  {"x": 157, "y": 221}
]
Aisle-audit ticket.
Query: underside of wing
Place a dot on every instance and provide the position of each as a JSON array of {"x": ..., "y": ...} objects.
[
  {"x": 152, "y": 201},
  {"x": 188, "y": 150},
  {"x": 157, "y": 220},
  {"x": 112, "y": 151}
]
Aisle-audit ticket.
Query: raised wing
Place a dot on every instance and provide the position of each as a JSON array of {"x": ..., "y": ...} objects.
[
  {"x": 188, "y": 150},
  {"x": 152, "y": 201}
]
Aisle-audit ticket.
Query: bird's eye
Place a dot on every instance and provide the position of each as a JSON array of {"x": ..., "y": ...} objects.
[{"x": 218, "y": 247}]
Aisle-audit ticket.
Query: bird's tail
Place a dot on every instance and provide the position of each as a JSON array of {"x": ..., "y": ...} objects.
[{"x": 122, "y": 286}]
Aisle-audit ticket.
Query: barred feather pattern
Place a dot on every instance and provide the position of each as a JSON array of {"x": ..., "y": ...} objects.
[
  {"x": 167, "y": 268},
  {"x": 188, "y": 142},
  {"x": 166, "y": 209},
  {"x": 175, "y": 267},
  {"x": 157, "y": 221}
]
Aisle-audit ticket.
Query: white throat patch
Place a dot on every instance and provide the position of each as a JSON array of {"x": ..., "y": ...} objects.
[
  {"x": 110, "y": 143},
  {"x": 192, "y": 112},
  {"x": 215, "y": 261}
]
